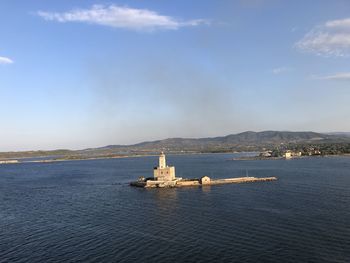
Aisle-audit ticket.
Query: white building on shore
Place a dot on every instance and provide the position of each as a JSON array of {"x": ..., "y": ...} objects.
[{"x": 8, "y": 161}]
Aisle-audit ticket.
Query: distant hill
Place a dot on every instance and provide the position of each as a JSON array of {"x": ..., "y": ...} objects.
[
  {"x": 347, "y": 134},
  {"x": 238, "y": 142},
  {"x": 245, "y": 141}
]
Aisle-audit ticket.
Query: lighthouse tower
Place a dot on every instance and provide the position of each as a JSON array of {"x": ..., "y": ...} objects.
[
  {"x": 163, "y": 172},
  {"x": 162, "y": 161}
]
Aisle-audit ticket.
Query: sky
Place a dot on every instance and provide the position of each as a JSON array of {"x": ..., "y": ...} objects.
[{"x": 78, "y": 74}]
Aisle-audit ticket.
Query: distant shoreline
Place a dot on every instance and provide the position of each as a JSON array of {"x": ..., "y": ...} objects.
[
  {"x": 242, "y": 158},
  {"x": 259, "y": 158},
  {"x": 23, "y": 159},
  {"x": 247, "y": 141},
  {"x": 122, "y": 157}
]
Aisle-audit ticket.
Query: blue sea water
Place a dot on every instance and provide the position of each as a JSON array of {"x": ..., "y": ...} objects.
[{"x": 85, "y": 211}]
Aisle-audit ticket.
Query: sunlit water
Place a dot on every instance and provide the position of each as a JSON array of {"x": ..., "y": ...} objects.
[{"x": 84, "y": 211}]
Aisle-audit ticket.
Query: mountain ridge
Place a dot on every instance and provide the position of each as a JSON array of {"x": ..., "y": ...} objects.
[
  {"x": 244, "y": 141},
  {"x": 232, "y": 140}
]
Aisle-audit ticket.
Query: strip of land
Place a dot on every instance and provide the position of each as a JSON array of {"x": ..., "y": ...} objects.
[
  {"x": 198, "y": 182},
  {"x": 272, "y": 143}
]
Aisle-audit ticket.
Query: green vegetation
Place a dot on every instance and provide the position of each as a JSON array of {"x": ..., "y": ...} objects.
[{"x": 311, "y": 149}]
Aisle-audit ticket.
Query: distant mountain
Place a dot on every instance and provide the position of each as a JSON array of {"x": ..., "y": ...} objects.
[
  {"x": 244, "y": 138},
  {"x": 274, "y": 137},
  {"x": 245, "y": 141},
  {"x": 240, "y": 142},
  {"x": 347, "y": 134}
]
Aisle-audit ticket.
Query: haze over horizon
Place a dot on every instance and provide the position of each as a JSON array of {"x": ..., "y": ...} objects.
[{"x": 79, "y": 74}]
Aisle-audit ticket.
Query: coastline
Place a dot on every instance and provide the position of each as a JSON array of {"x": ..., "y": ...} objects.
[
  {"x": 68, "y": 158},
  {"x": 243, "y": 158},
  {"x": 259, "y": 158}
]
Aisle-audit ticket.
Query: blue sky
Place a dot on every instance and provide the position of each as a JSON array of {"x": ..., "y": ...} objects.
[{"x": 77, "y": 74}]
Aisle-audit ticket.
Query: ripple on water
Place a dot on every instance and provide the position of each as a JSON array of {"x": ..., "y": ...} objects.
[{"x": 84, "y": 211}]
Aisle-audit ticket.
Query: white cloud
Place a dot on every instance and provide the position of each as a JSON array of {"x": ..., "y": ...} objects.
[
  {"x": 341, "y": 23},
  {"x": 337, "y": 76},
  {"x": 5, "y": 60},
  {"x": 281, "y": 70},
  {"x": 121, "y": 17},
  {"x": 330, "y": 39}
]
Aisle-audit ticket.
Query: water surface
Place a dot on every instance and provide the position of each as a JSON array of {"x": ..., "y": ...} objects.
[{"x": 84, "y": 211}]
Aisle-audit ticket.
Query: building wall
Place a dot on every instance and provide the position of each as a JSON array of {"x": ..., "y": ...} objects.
[
  {"x": 205, "y": 180},
  {"x": 288, "y": 155},
  {"x": 164, "y": 174},
  {"x": 187, "y": 183},
  {"x": 8, "y": 161}
]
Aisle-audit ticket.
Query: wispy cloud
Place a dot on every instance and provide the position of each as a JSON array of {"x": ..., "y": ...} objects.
[
  {"x": 122, "y": 17},
  {"x": 5, "y": 60},
  {"x": 340, "y": 23},
  {"x": 329, "y": 39},
  {"x": 281, "y": 70},
  {"x": 345, "y": 76}
]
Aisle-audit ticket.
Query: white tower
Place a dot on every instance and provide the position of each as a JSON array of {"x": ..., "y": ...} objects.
[{"x": 162, "y": 162}]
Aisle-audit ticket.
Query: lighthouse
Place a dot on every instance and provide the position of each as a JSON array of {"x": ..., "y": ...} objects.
[
  {"x": 163, "y": 172},
  {"x": 162, "y": 161}
]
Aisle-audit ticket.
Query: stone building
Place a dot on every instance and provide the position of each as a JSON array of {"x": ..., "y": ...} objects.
[
  {"x": 163, "y": 172},
  {"x": 288, "y": 155},
  {"x": 205, "y": 180},
  {"x": 164, "y": 176}
]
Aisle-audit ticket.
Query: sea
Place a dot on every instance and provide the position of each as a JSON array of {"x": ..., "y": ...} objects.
[{"x": 85, "y": 211}]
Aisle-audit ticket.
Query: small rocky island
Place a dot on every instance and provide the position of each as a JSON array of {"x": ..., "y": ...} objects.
[{"x": 164, "y": 176}]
